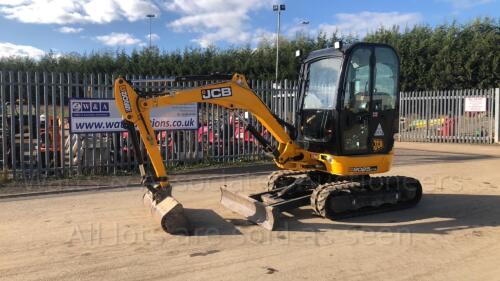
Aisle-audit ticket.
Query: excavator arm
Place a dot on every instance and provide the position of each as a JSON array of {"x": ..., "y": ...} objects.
[{"x": 231, "y": 94}]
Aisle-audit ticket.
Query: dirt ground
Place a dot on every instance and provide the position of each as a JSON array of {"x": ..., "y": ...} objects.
[{"x": 454, "y": 234}]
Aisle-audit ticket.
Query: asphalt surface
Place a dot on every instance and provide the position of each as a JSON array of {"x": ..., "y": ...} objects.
[{"x": 453, "y": 234}]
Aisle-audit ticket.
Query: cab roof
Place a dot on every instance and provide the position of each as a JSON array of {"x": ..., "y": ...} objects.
[
  {"x": 332, "y": 52},
  {"x": 328, "y": 52}
]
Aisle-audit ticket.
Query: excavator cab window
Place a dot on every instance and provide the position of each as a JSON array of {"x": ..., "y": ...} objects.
[{"x": 319, "y": 99}]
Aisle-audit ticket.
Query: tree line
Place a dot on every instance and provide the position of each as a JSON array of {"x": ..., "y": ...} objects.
[{"x": 447, "y": 56}]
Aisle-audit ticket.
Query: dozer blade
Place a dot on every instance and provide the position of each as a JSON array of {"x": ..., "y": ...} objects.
[
  {"x": 253, "y": 210},
  {"x": 169, "y": 213}
]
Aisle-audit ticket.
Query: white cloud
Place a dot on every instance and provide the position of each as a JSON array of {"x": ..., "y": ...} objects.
[
  {"x": 362, "y": 23},
  {"x": 465, "y": 4},
  {"x": 154, "y": 37},
  {"x": 11, "y": 2},
  {"x": 12, "y": 50},
  {"x": 68, "y": 29},
  {"x": 215, "y": 20},
  {"x": 262, "y": 35},
  {"x": 76, "y": 11},
  {"x": 118, "y": 39}
]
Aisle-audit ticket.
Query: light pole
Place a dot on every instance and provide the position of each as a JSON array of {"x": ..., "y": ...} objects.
[
  {"x": 150, "y": 16},
  {"x": 278, "y": 8}
]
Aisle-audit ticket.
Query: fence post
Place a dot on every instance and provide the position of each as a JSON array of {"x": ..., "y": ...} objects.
[{"x": 497, "y": 115}]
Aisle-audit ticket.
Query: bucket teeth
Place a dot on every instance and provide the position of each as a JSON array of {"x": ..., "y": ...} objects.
[
  {"x": 253, "y": 210},
  {"x": 169, "y": 213}
]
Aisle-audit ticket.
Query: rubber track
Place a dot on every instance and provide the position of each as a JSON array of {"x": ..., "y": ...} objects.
[
  {"x": 323, "y": 190},
  {"x": 274, "y": 176},
  {"x": 320, "y": 196}
]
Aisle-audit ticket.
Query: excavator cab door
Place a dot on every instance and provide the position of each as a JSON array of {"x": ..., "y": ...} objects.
[
  {"x": 368, "y": 104},
  {"x": 319, "y": 78}
]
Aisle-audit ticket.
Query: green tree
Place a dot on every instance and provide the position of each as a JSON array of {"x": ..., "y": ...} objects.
[{"x": 448, "y": 56}]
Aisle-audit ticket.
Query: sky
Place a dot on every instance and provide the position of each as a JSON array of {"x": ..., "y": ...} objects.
[{"x": 35, "y": 27}]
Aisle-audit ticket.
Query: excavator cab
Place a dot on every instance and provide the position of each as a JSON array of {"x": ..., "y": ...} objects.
[{"x": 348, "y": 100}]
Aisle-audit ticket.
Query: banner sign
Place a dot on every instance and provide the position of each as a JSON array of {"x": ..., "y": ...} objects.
[
  {"x": 475, "y": 104},
  {"x": 102, "y": 116}
]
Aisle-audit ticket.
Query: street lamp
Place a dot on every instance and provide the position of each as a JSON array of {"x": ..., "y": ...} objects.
[
  {"x": 278, "y": 8},
  {"x": 150, "y": 16}
]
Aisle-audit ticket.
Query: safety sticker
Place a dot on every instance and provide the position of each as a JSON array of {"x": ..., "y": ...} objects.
[
  {"x": 379, "y": 132},
  {"x": 378, "y": 145}
]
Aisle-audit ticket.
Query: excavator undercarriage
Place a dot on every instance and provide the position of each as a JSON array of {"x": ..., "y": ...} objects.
[{"x": 331, "y": 197}]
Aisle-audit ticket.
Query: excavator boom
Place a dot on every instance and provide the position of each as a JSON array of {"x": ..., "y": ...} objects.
[{"x": 232, "y": 94}]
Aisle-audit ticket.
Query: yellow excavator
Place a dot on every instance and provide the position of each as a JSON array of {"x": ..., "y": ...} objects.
[{"x": 347, "y": 116}]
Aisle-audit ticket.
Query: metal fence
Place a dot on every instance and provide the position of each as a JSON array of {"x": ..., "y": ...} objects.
[
  {"x": 35, "y": 140},
  {"x": 443, "y": 116}
]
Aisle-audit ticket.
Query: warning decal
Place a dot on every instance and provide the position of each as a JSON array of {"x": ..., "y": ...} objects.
[{"x": 379, "y": 132}]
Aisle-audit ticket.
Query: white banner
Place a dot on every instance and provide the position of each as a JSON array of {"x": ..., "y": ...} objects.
[
  {"x": 475, "y": 104},
  {"x": 102, "y": 115}
]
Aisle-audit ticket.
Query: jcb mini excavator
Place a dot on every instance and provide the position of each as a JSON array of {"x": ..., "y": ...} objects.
[{"x": 346, "y": 119}]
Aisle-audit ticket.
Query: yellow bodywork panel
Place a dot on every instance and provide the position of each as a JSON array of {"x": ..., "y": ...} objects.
[{"x": 236, "y": 94}]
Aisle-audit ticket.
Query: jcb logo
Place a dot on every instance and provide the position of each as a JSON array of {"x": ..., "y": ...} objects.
[
  {"x": 125, "y": 99},
  {"x": 216, "y": 93}
]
